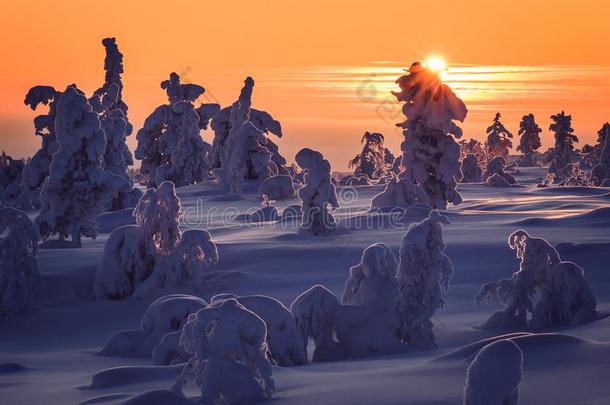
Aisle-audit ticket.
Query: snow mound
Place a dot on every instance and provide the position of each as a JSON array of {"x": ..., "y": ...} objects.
[
  {"x": 127, "y": 375},
  {"x": 598, "y": 217},
  {"x": 158, "y": 397},
  {"x": 11, "y": 367},
  {"x": 108, "y": 221}
]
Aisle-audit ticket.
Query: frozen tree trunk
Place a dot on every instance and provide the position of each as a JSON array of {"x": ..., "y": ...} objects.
[
  {"x": 78, "y": 187},
  {"x": 19, "y": 276},
  {"x": 424, "y": 274},
  {"x": 494, "y": 375},
  {"x": 430, "y": 154},
  {"x": 317, "y": 194}
]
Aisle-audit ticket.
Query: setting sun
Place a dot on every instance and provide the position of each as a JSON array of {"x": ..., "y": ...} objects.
[{"x": 435, "y": 63}]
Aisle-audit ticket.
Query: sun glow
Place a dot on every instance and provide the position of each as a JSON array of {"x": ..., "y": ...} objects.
[{"x": 436, "y": 64}]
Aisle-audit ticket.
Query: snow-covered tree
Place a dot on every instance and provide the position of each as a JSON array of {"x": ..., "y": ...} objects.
[
  {"x": 78, "y": 187},
  {"x": 228, "y": 361},
  {"x": 37, "y": 169},
  {"x": 545, "y": 291},
  {"x": 284, "y": 343},
  {"x": 470, "y": 171},
  {"x": 277, "y": 187},
  {"x": 241, "y": 148},
  {"x": 424, "y": 274},
  {"x": 494, "y": 375},
  {"x": 165, "y": 316},
  {"x": 371, "y": 161},
  {"x": 169, "y": 143},
  {"x": 12, "y": 192},
  {"x": 529, "y": 143},
  {"x": 317, "y": 194},
  {"x": 10, "y": 170},
  {"x": 561, "y": 164},
  {"x": 475, "y": 147},
  {"x": 107, "y": 102},
  {"x": 600, "y": 173},
  {"x": 19, "y": 277},
  {"x": 498, "y": 139},
  {"x": 154, "y": 253},
  {"x": 430, "y": 154}
]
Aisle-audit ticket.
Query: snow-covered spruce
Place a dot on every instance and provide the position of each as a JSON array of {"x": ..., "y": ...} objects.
[
  {"x": 498, "y": 139},
  {"x": 317, "y": 194},
  {"x": 529, "y": 143},
  {"x": 78, "y": 187},
  {"x": 372, "y": 160},
  {"x": 228, "y": 360},
  {"x": 154, "y": 253},
  {"x": 561, "y": 165},
  {"x": 277, "y": 187},
  {"x": 10, "y": 170},
  {"x": 470, "y": 170},
  {"x": 284, "y": 343},
  {"x": 37, "y": 169},
  {"x": 545, "y": 292},
  {"x": 12, "y": 192},
  {"x": 162, "y": 321},
  {"x": 601, "y": 171},
  {"x": 494, "y": 375},
  {"x": 424, "y": 274},
  {"x": 108, "y": 102},
  {"x": 169, "y": 143},
  {"x": 19, "y": 277},
  {"x": 495, "y": 169},
  {"x": 399, "y": 193},
  {"x": 430, "y": 154}
]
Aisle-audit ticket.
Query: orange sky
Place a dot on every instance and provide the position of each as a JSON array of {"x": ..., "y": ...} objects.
[{"x": 314, "y": 62}]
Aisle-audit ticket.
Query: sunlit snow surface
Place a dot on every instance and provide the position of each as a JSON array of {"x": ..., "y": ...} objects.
[{"x": 56, "y": 346}]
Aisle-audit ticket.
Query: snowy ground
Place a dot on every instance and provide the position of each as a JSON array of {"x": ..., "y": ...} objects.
[{"x": 56, "y": 346}]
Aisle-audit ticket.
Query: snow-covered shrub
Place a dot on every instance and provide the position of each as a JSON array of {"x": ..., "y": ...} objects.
[
  {"x": 37, "y": 169},
  {"x": 315, "y": 312},
  {"x": 283, "y": 340},
  {"x": 10, "y": 170},
  {"x": 601, "y": 171},
  {"x": 371, "y": 161},
  {"x": 19, "y": 277},
  {"x": 430, "y": 154},
  {"x": 185, "y": 265},
  {"x": 424, "y": 274},
  {"x": 399, "y": 192},
  {"x": 267, "y": 213},
  {"x": 497, "y": 180},
  {"x": 166, "y": 315},
  {"x": 470, "y": 171},
  {"x": 496, "y": 166},
  {"x": 544, "y": 292},
  {"x": 12, "y": 192},
  {"x": 228, "y": 361},
  {"x": 241, "y": 149},
  {"x": 475, "y": 147},
  {"x": 561, "y": 163},
  {"x": 494, "y": 375},
  {"x": 498, "y": 139},
  {"x": 169, "y": 143},
  {"x": 78, "y": 187},
  {"x": 277, "y": 187},
  {"x": 529, "y": 143},
  {"x": 317, "y": 193},
  {"x": 132, "y": 251}
]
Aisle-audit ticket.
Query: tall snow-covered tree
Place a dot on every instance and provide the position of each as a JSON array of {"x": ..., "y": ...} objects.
[
  {"x": 498, "y": 139},
  {"x": 37, "y": 169},
  {"x": 600, "y": 174},
  {"x": 19, "y": 276},
  {"x": 430, "y": 153},
  {"x": 241, "y": 149},
  {"x": 561, "y": 165},
  {"x": 318, "y": 193},
  {"x": 78, "y": 187},
  {"x": 169, "y": 144},
  {"x": 107, "y": 102},
  {"x": 424, "y": 274},
  {"x": 371, "y": 161},
  {"x": 529, "y": 143}
]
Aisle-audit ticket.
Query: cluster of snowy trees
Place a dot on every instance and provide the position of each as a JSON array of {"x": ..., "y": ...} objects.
[
  {"x": 545, "y": 292},
  {"x": 373, "y": 162},
  {"x": 154, "y": 253}
]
